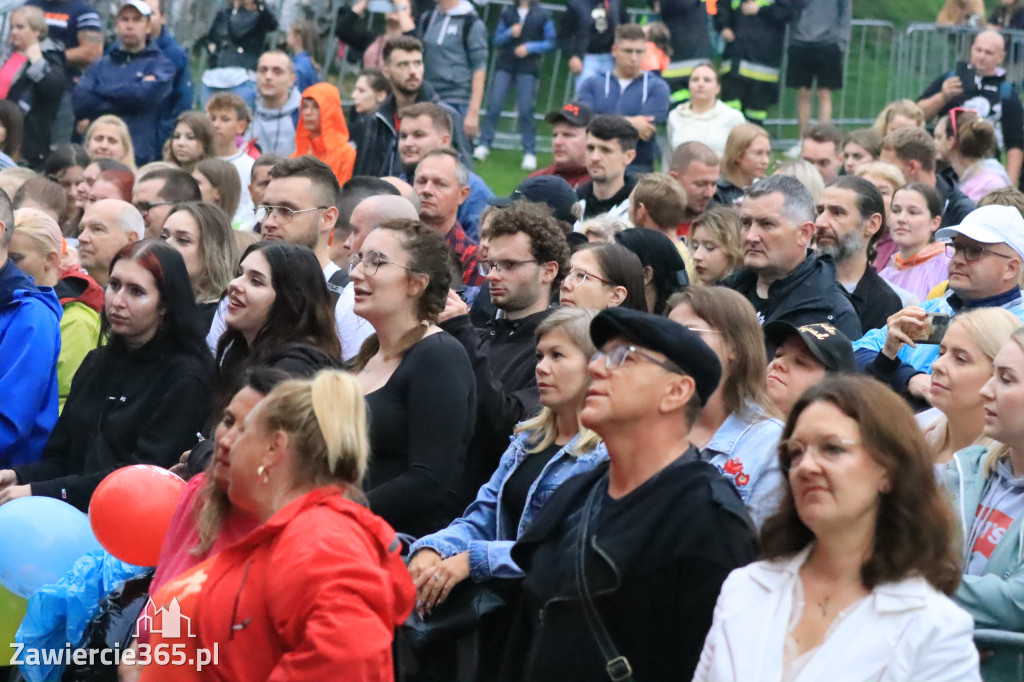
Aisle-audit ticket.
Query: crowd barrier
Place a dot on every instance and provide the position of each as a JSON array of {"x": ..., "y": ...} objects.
[{"x": 881, "y": 64}]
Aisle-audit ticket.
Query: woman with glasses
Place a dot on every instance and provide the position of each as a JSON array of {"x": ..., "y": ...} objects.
[
  {"x": 737, "y": 429},
  {"x": 919, "y": 262},
  {"x": 279, "y": 315},
  {"x": 858, "y": 560},
  {"x": 603, "y": 276},
  {"x": 419, "y": 385}
]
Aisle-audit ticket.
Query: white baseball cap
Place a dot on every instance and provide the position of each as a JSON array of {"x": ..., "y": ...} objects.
[
  {"x": 990, "y": 225},
  {"x": 144, "y": 9}
]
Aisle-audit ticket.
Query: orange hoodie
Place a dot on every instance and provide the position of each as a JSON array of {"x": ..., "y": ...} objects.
[{"x": 332, "y": 147}]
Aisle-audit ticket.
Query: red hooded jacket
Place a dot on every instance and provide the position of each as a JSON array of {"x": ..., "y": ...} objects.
[
  {"x": 332, "y": 146},
  {"x": 313, "y": 594}
]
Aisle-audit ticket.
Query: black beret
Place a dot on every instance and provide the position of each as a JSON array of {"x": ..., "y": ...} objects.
[{"x": 682, "y": 347}]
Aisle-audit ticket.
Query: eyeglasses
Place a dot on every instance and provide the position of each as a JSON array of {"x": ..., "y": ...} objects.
[
  {"x": 792, "y": 452},
  {"x": 578, "y": 276},
  {"x": 972, "y": 253},
  {"x": 372, "y": 262},
  {"x": 501, "y": 266},
  {"x": 616, "y": 358},
  {"x": 282, "y": 214},
  {"x": 147, "y": 206}
]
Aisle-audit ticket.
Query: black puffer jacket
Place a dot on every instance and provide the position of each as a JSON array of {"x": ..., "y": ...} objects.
[
  {"x": 808, "y": 295},
  {"x": 238, "y": 36}
]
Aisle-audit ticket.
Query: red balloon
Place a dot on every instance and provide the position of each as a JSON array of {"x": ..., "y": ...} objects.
[{"x": 131, "y": 510}]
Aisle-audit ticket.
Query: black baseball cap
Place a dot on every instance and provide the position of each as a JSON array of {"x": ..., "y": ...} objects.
[
  {"x": 573, "y": 113},
  {"x": 552, "y": 190},
  {"x": 829, "y": 345},
  {"x": 682, "y": 347}
]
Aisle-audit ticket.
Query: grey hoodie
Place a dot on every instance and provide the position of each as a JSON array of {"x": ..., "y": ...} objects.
[
  {"x": 274, "y": 129},
  {"x": 448, "y": 61},
  {"x": 823, "y": 22}
]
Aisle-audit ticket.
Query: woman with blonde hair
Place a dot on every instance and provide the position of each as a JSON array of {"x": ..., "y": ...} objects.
[
  {"x": 317, "y": 590},
  {"x": 962, "y": 368},
  {"x": 738, "y": 427},
  {"x": 108, "y": 138},
  {"x": 986, "y": 485},
  {"x": 806, "y": 173},
  {"x": 717, "y": 243},
  {"x": 546, "y": 451},
  {"x": 747, "y": 154},
  {"x": 36, "y": 248},
  {"x": 903, "y": 113}
]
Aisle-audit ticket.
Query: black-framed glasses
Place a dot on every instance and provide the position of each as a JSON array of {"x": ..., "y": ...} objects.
[
  {"x": 372, "y": 261},
  {"x": 282, "y": 214},
  {"x": 616, "y": 358},
  {"x": 147, "y": 206},
  {"x": 501, "y": 266},
  {"x": 828, "y": 450},
  {"x": 579, "y": 276},
  {"x": 972, "y": 252}
]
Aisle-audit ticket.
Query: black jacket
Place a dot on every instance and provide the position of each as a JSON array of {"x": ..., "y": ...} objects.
[
  {"x": 142, "y": 406},
  {"x": 956, "y": 204},
  {"x": 238, "y": 36},
  {"x": 504, "y": 362},
  {"x": 874, "y": 300},
  {"x": 759, "y": 37},
  {"x": 656, "y": 562},
  {"x": 807, "y": 295},
  {"x": 377, "y": 146},
  {"x": 588, "y": 26},
  {"x": 533, "y": 31},
  {"x": 687, "y": 22},
  {"x": 37, "y": 89}
]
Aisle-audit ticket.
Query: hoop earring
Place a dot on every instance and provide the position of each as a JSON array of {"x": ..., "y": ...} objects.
[{"x": 263, "y": 474}]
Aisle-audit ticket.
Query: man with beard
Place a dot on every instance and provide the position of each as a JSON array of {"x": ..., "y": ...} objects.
[
  {"x": 424, "y": 127},
  {"x": 377, "y": 148},
  {"x": 850, "y": 214},
  {"x": 527, "y": 258}
]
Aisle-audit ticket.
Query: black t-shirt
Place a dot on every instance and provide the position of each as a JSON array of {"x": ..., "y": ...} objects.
[
  {"x": 65, "y": 18},
  {"x": 760, "y": 305},
  {"x": 517, "y": 487},
  {"x": 995, "y": 99}
]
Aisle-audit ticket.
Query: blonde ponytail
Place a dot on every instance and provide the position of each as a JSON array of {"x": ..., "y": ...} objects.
[{"x": 340, "y": 410}]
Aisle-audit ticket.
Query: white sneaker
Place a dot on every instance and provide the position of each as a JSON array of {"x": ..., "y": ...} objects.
[
  {"x": 529, "y": 162},
  {"x": 481, "y": 152}
]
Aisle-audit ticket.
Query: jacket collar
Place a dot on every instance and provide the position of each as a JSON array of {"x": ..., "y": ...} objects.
[
  {"x": 734, "y": 426},
  {"x": 997, "y": 301}
]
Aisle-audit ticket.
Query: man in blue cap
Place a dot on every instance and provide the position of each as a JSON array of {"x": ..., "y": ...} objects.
[{"x": 624, "y": 565}]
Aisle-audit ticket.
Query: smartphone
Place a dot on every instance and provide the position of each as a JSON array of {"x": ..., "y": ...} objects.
[
  {"x": 967, "y": 73},
  {"x": 380, "y": 6},
  {"x": 936, "y": 328}
]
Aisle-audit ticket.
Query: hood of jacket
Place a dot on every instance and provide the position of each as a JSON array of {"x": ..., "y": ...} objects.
[
  {"x": 16, "y": 286},
  {"x": 77, "y": 286},
  {"x": 290, "y": 107},
  {"x": 464, "y": 7},
  {"x": 333, "y": 128},
  {"x": 384, "y": 537}
]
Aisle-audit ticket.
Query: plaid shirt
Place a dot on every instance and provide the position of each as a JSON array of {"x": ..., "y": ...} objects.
[{"x": 466, "y": 249}]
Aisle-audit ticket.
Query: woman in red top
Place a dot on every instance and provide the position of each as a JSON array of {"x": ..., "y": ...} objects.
[{"x": 316, "y": 592}]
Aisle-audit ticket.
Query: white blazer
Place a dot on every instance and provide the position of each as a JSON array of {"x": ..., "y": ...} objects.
[{"x": 902, "y": 632}]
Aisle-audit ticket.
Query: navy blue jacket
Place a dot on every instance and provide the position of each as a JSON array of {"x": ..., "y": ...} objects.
[
  {"x": 181, "y": 87},
  {"x": 137, "y": 87},
  {"x": 646, "y": 95},
  {"x": 538, "y": 35}
]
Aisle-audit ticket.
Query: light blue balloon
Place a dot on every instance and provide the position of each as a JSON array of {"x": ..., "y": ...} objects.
[{"x": 40, "y": 540}]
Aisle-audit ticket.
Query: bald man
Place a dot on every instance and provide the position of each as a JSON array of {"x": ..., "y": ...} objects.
[
  {"x": 366, "y": 216},
  {"x": 981, "y": 85}
]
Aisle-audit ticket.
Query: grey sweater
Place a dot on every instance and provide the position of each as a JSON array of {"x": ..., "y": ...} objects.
[
  {"x": 823, "y": 22},
  {"x": 448, "y": 61}
]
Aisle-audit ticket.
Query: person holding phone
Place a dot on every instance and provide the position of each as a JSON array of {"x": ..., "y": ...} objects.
[{"x": 981, "y": 84}]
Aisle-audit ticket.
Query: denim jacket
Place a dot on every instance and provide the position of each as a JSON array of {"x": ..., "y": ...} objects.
[
  {"x": 744, "y": 450},
  {"x": 484, "y": 530}
]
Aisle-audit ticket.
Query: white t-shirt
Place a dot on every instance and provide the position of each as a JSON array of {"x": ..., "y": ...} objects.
[{"x": 244, "y": 219}]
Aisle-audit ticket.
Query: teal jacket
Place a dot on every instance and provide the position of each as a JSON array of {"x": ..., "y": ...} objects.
[{"x": 995, "y": 599}]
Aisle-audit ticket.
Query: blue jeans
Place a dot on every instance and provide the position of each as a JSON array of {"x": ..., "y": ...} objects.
[
  {"x": 593, "y": 64},
  {"x": 526, "y": 97}
]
